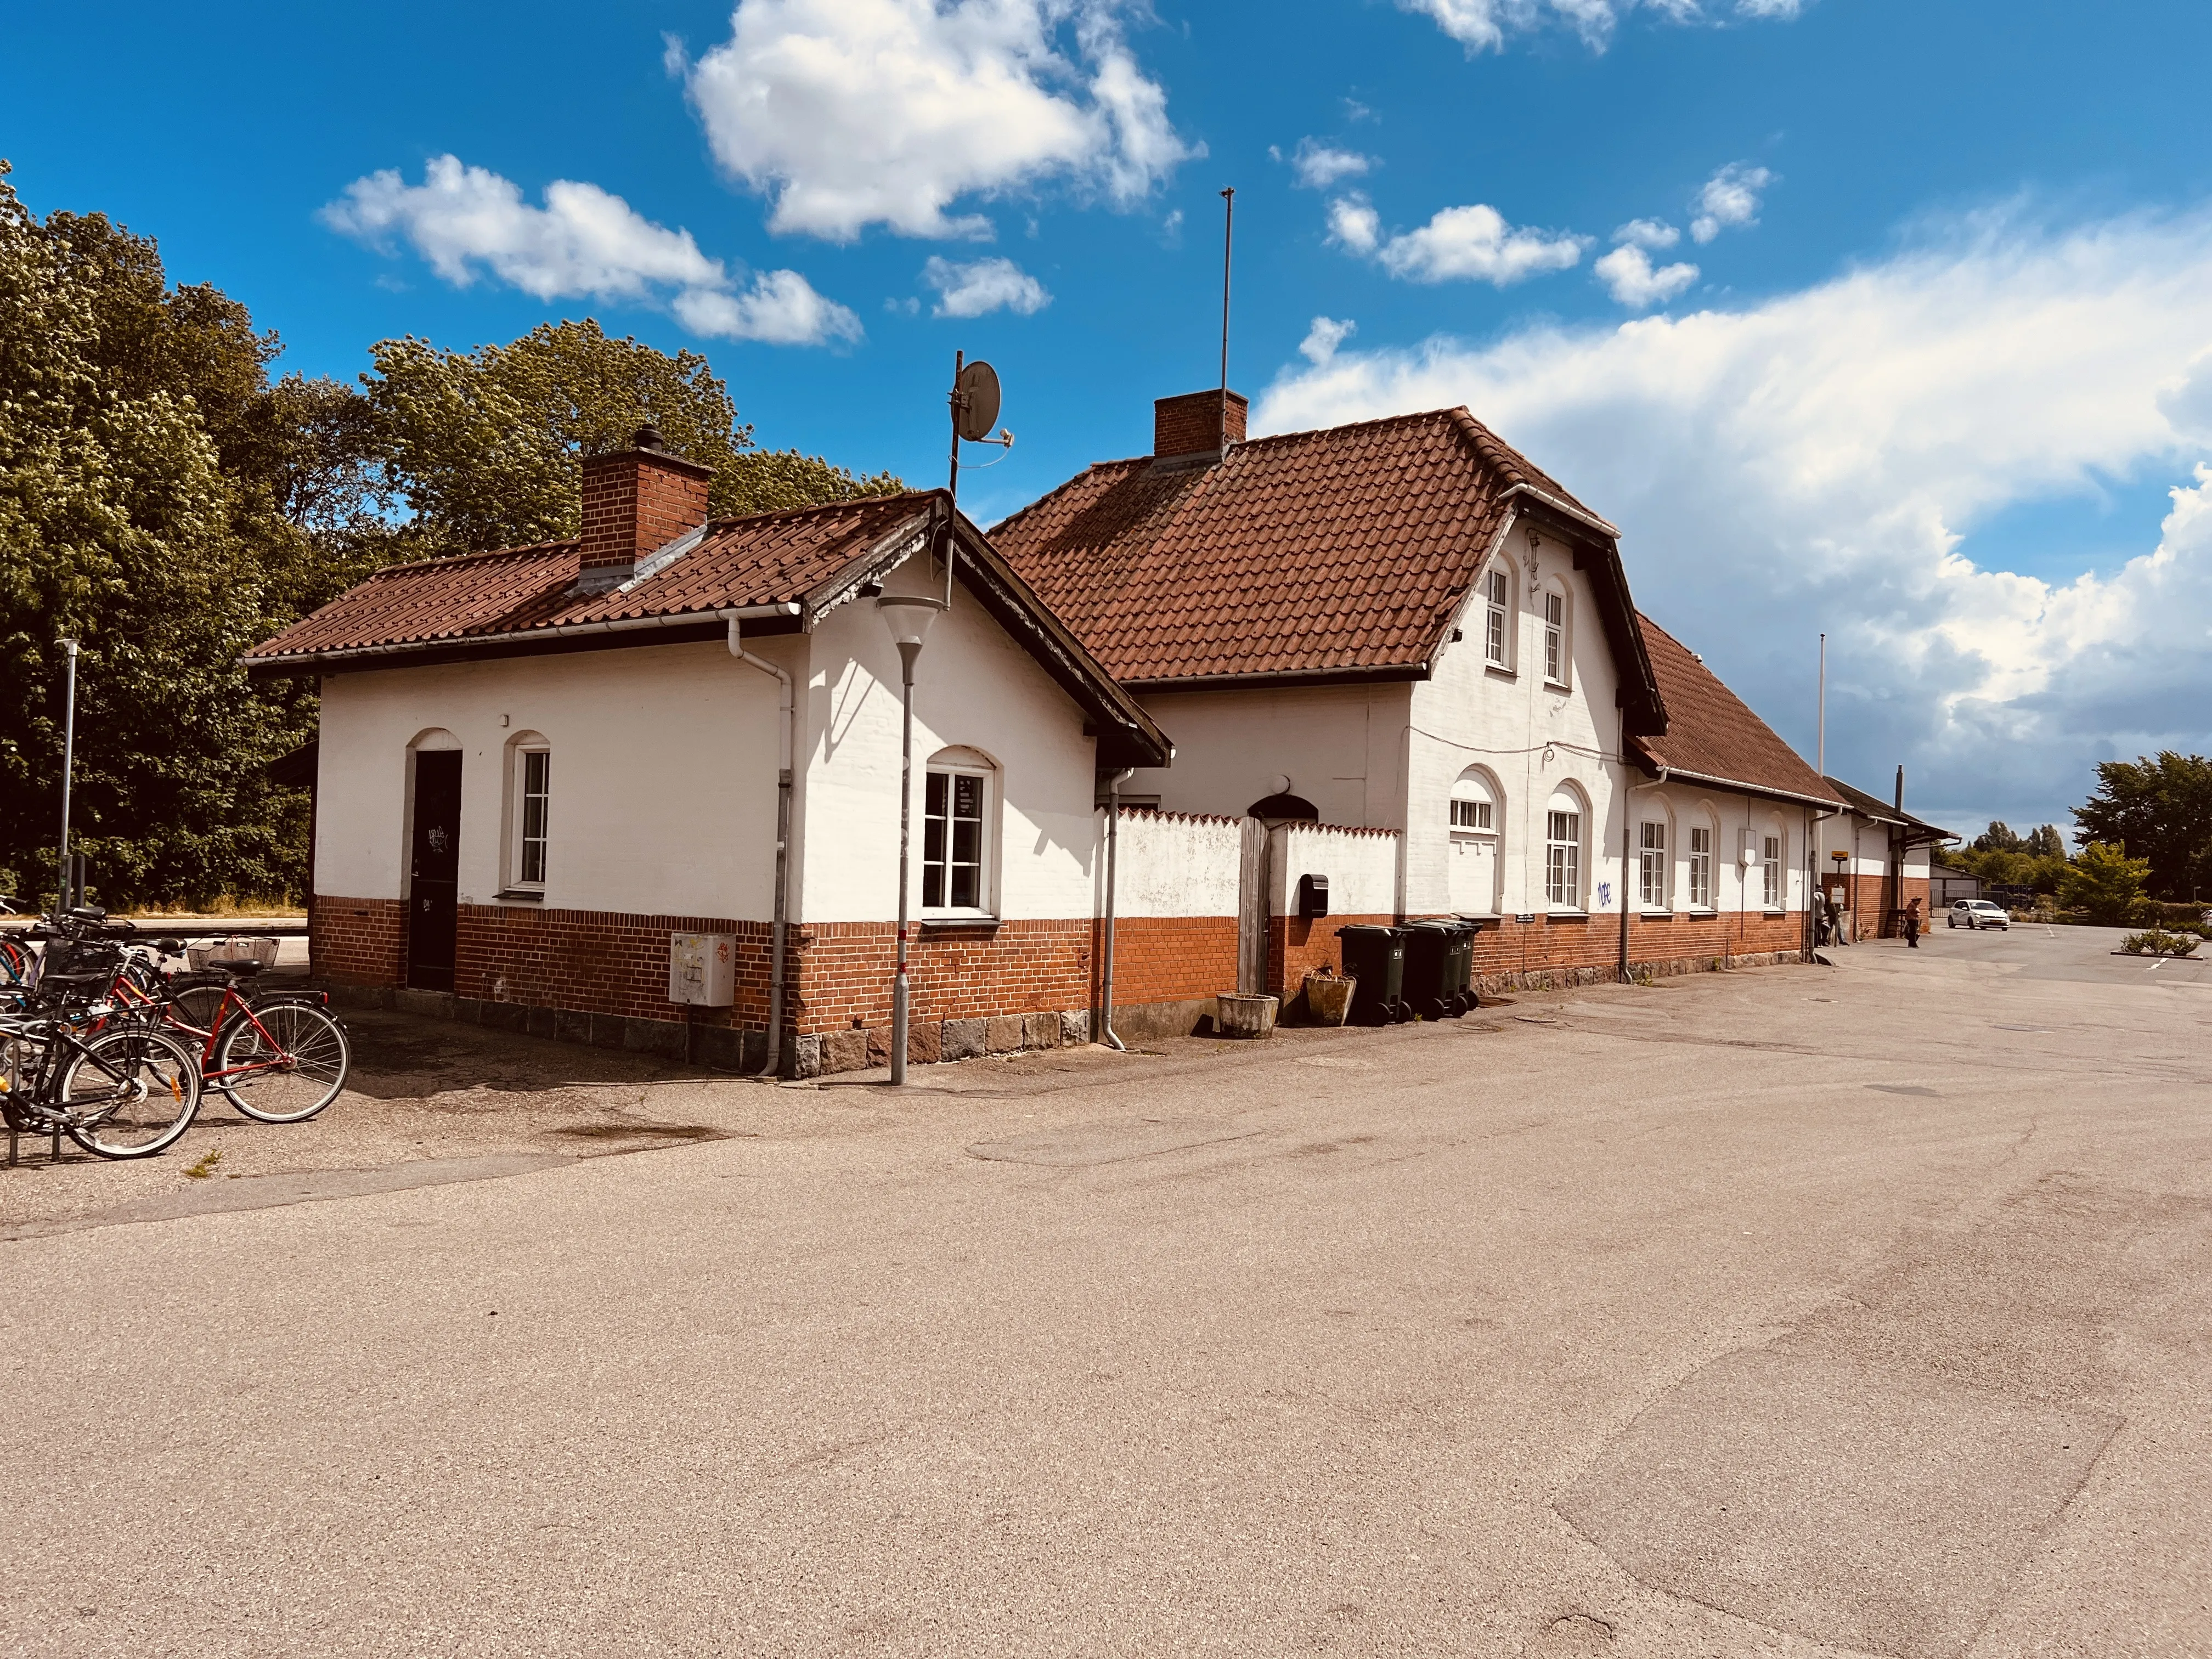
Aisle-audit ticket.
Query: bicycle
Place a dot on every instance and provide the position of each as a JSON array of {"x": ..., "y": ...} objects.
[
  {"x": 124, "y": 1089},
  {"x": 15, "y": 960},
  {"x": 278, "y": 1058}
]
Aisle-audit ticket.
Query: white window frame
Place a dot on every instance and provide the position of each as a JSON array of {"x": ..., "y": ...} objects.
[
  {"x": 520, "y": 841},
  {"x": 1559, "y": 659},
  {"x": 1770, "y": 868},
  {"x": 1473, "y": 817},
  {"x": 1498, "y": 631},
  {"x": 1701, "y": 867},
  {"x": 1652, "y": 869},
  {"x": 986, "y": 860},
  {"x": 1562, "y": 859}
]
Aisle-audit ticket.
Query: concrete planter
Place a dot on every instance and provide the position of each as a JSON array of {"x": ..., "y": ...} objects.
[
  {"x": 1239, "y": 1015},
  {"x": 1329, "y": 998}
]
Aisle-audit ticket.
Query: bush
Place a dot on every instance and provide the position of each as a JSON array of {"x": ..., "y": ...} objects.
[
  {"x": 2157, "y": 942},
  {"x": 2154, "y": 913},
  {"x": 2104, "y": 883}
]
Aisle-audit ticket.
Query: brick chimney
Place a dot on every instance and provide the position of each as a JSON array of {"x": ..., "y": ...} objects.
[
  {"x": 1199, "y": 425},
  {"x": 635, "y": 503}
]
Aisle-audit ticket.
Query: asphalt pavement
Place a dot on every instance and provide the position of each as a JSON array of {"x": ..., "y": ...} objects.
[{"x": 1808, "y": 1310}]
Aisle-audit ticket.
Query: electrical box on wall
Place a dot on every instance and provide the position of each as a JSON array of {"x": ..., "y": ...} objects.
[{"x": 702, "y": 970}]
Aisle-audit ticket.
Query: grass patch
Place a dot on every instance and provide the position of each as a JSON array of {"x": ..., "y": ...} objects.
[{"x": 205, "y": 1167}]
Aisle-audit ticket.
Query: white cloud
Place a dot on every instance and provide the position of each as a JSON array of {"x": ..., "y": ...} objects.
[
  {"x": 1628, "y": 276},
  {"x": 985, "y": 285},
  {"x": 1815, "y": 460},
  {"x": 1323, "y": 338},
  {"x": 1317, "y": 166},
  {"x": 1458, "y": 244},
  {"x": 1353, "y": 224},
  {"x": 1483, "y": 25},
  {"x": 854, "y": 113},
  {"x": 780, "y": 308},
  {"x": 584, "y": 242},
  {"x": 1651, "y": 234},
  {"x": 1728, "y": 199}
]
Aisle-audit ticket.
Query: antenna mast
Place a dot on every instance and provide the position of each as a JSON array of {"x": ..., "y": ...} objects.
[{"x": 1228, "y": 228}]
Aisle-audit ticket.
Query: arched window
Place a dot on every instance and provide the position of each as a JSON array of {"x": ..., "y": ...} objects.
[
  {"x": 529, "y": 812},
  {"x": 1698, "y": 834},
  {"x": 1564, "y": 819},
  {"x": 1559, "y": 640},
  {"x": 1499, "y": 614},
  {"x": 958, "y": 839},
  {"x": 1476, "y": 823}
]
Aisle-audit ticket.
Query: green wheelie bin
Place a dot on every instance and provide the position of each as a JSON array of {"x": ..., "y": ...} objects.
[{"x": 1375, "y": 957}]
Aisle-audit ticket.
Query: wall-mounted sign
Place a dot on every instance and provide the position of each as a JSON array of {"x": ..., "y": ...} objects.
[{"x": 1526, "y": 916}]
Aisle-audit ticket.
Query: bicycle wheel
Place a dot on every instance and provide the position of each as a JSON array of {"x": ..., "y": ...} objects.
[
  {"x": 281, "y": 1062},
  {"x": 134, "y": 1089}
]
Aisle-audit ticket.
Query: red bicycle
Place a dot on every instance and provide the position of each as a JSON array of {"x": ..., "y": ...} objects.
[{"x": 279, "y": 1058}]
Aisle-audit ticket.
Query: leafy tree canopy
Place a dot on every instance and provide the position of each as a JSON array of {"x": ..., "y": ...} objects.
[
  {"x": 485, "y": 444},
  {"x": 2160, "y": 811}
]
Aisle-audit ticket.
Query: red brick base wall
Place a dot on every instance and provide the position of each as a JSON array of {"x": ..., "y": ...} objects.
[
  {"x": 357, "y": 941},
  {"x": 975, "y": 990}
]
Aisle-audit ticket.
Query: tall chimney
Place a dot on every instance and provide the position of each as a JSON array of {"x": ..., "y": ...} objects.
[
  {"x": 1197, "y": 425},
  {"x": 636, "y": 501}
]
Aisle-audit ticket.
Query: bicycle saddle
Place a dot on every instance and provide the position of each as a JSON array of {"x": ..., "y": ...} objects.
[{"x": 245, "y": 967}]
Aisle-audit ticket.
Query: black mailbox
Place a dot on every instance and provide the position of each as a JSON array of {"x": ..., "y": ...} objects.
[{"x": 1313, "y": 896}]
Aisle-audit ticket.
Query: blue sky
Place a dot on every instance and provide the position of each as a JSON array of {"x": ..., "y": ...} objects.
[{"x": 1933, "y": 387}]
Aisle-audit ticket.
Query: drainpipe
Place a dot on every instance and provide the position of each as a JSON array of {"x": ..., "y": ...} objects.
[
  {"x": 1113, "y": 840},
  {"x": 787, "y": 745},
  {"x": 1627, "y": 833}
]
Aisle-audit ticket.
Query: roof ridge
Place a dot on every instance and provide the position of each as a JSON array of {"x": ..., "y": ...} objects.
[
  {"x": 855, "y": 502},
  {"x": 1348, "y": 426},
  {"x": 515, "y": 552}
]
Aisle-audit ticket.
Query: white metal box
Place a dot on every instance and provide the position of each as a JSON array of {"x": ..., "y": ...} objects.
[{"x": 702, "y": 969}]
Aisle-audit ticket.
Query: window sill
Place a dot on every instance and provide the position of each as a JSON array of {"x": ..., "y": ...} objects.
[
  {"x": 1650, "y": 914},
  {"x": 1499, "y": 670},
  {"x": 978, "y": 924},
  {"x": 1702, "y": 913},
  {"x": 1567, "y": 915},
  {"x": 1773, "y": 910},
  {"x": 1559, "y": 686},
  {"x": 520, "y": 896}
]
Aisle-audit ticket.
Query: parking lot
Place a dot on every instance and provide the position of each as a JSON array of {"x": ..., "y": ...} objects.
[{"x": 1845, "y": 1309}]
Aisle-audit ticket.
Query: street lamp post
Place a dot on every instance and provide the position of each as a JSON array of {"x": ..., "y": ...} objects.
[
  {"x": 909, "y": 618},
  {"x": 69, "y": 766}
]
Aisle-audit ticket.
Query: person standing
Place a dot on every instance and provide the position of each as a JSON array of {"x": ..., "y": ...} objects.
[{"x": 1912, "y": 926}]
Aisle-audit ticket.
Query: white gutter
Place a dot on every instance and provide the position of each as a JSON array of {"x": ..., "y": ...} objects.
[
  {"x": 1568, "y": 509},
  {"x": 1739, "y": 786},
  {"x": 786, "y": 746},
  {"x": 562, "y": 631}
]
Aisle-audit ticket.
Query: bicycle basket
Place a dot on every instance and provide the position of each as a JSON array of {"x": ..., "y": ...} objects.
[
  {"x": 239, "y": 948},
  {"x": 78, "y": 962}
]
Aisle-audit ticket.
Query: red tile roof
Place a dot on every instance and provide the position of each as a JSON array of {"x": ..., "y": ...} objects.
[
  {"x": 1711, "y": 732},
  {"x": 766, "y": 559},
  {"x": 1345, "y": 550}
]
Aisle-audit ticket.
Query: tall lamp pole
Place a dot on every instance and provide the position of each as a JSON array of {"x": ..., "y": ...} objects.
[
  {"x": 909, "y": 618},
  {"x": 69, "y": 766}
]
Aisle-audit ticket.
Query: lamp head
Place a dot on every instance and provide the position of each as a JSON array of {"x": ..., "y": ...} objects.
[{"x": 909, "y": 618}]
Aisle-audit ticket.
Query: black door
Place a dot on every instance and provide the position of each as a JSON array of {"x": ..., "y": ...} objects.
[{"x": 434, "y": 865}]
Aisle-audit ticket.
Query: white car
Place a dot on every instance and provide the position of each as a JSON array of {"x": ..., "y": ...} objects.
[{"x": 1977, "y": 913}]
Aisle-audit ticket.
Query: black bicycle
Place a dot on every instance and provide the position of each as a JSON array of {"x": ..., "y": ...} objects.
[{"x": 120, "y": 1088}]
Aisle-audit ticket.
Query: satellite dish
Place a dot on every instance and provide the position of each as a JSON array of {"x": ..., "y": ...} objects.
[{"x": 975, "y": 401}]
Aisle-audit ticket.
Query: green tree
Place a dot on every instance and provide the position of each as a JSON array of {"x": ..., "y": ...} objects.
[
  {"x": 2104, "y": 881},
  {"x": 2158, "y": 810},
  {"x": 1998, "y": 838},
  {"x": 120, "y": 527},
  {"x": 2045, "y": 843},
  {"x": 483, "y": 446}
]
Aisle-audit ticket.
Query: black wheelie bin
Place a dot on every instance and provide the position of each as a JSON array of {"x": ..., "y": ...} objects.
[
  {"x": 1439, "y": 962},
  {"x": 1375, "y": 957}
]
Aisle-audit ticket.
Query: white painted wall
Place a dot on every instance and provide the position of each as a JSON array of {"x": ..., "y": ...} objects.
[
  {"x": 1362, "y": 867},
  {"x": 1527, "y": 735},
  {"x": 1171, "y": 864},
  {"x": 663, "y": 777},
  {"x": 974, "y": 688},
  {"x": 1736, "y": 886},
  {"x": 1340, "y": 747}
]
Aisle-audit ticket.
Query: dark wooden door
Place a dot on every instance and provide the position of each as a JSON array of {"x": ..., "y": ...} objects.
[{"x": 434, "y": 869}]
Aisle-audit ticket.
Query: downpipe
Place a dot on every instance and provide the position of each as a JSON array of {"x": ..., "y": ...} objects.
[
  {"x": 786, "y": 746},
  {"x": 1113, "y": 846}
]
